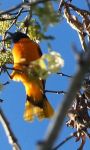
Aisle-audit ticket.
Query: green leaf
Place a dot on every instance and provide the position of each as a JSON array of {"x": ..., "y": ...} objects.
[
  {"x": 5, "y": 23},
  {"x": 6, "y": 57},
  {"x": 46, "y": 65},
  {"x": 47, "y": 14}
]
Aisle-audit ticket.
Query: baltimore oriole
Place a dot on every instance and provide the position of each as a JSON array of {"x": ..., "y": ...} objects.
[{"x": 24, "y": 51}]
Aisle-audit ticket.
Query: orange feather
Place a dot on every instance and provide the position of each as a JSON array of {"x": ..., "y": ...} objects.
[{"x": 25, "y": 51}]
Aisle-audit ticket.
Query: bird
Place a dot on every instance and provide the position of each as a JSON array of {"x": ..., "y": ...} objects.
[{"x": 25, "y": 51}]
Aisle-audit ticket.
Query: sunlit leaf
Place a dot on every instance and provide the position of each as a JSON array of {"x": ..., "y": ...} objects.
[
  {"x": 6, "y": 57},
  {"x": 46, "y": 65},
  {"x": 4, "y": 25}
]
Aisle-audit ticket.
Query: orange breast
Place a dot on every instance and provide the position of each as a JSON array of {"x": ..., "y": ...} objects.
[{"x": 25, "y": 51}]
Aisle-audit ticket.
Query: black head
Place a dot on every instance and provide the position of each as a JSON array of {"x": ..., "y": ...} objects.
[{"x": 17, "y": 36}]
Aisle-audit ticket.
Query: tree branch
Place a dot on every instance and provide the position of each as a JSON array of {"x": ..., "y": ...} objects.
[
  {"x": 64, "y": 141},
  {"x": 55, "y": 92},
  {"x": 15, "y": 19},
  {"x": 65, "y": 75},
  {"x": 23, "y": 5},
  {"x": 10, "y": 135},
  {"x": 57, "y": 122}
]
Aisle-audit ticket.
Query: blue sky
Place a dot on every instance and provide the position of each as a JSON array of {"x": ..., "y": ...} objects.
[{"x": 29, "y": 134}]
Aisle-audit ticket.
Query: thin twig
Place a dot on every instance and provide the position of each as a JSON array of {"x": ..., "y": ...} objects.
[
  {"x": 55, "y": 92},
  {"x": 6, "y": 83},
  {"x": 5, "y": 19},
  {"x": 15, "y": 19},
  {"x": 15, "y": 13},
  {"x": 10, "y": 68},
  {"x": 55, "y": 125},
  {"x": 65, "y": 75},
  {"x": 61, "y": 4},
  {"x": 10, "y": 135},
  {"x": 64, "y": 141},
  {"x": 8, "y": 74},
  {"x": 12, "y": 9},
  {"x": 77, "y": 9},
  {"x": 22, "y": 5}
]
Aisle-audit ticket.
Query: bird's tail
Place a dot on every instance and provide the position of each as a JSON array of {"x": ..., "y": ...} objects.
[
  {"x": 41, "y": 110},
  {"x": 36, "y": 104}
]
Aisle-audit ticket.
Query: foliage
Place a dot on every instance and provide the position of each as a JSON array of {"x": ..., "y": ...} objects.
[
  {"x": 6, "y": 57},
  {"x": 5, "y": 23},
  {"x": 34, "y": 30},
  {"x": 46, "y": 65},
  {"x": 47, "y": 14},
  {"x": 35, "y": 23}
]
